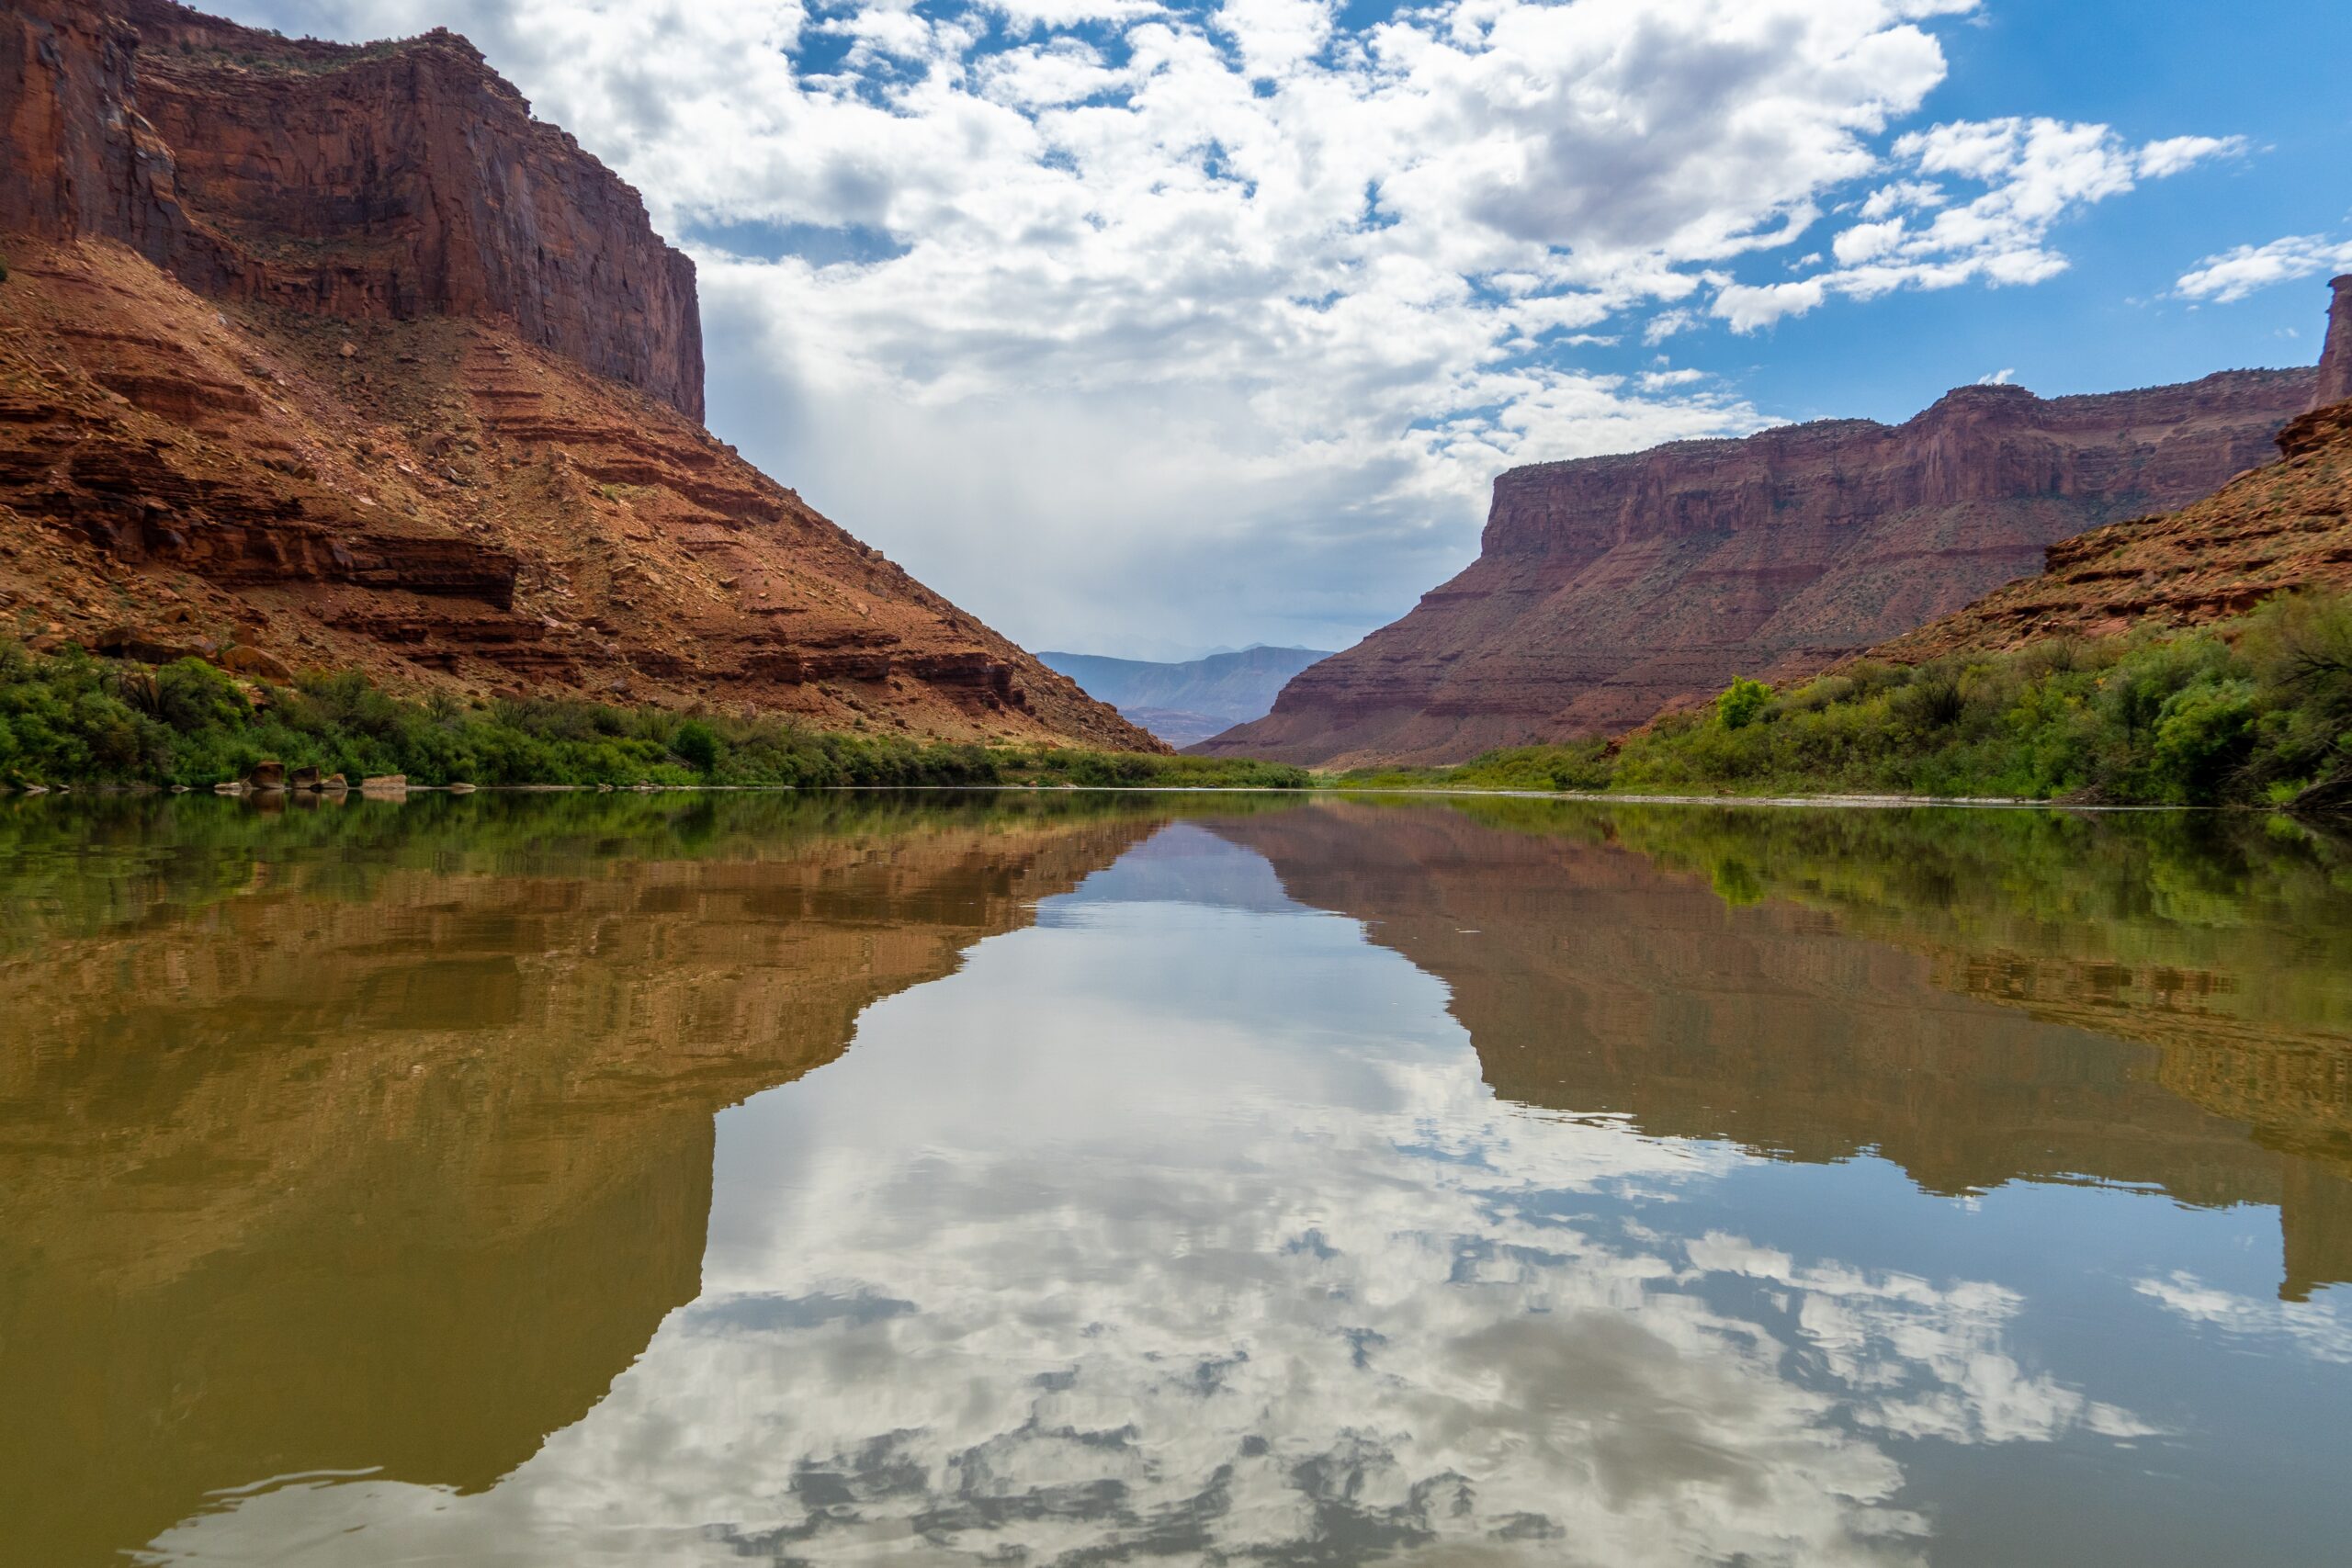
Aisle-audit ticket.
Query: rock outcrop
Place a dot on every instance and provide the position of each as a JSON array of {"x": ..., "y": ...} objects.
[
  {"x": 2285, "y": 525},
  {"x": 1609, "y": 587},
  {"x": 332, "y": 356},
  {"x": 2336, "y": 363},
  {"x": 389, "y": 181}
]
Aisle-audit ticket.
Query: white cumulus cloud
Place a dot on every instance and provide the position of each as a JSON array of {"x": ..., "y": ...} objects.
[
  {"x": 2036, "y": 174},
  {"x": 2233, "y": 274},
  {"x": 1135, "y": 326}
]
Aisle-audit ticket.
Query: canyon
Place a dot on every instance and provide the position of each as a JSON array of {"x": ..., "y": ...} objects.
[
  {"x": 1610, "y": 589},
  {"x": 317, "y": 357},
  {"x": 1188, "y": 702}
]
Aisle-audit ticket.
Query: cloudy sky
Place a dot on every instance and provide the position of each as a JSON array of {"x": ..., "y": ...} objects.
[{"x": 1141, "y": 328}]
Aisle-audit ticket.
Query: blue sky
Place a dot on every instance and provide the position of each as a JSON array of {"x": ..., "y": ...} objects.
[
  {"x": 1140, "y": 329},
  {"x": 2269, "y": 71}
]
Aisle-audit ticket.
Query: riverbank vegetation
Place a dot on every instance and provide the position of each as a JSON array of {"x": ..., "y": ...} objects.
[
  {"x": 68, "y": 718},
  {"x": 2257, "y": 711}
]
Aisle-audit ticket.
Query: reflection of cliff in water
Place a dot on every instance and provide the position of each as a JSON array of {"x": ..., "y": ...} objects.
[
  {"x": 1592, "y": 980},
  {"x": 392, "y": 1146}
]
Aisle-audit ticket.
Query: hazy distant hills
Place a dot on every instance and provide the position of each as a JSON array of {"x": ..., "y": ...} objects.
[{"x": 1186, "y": 703}]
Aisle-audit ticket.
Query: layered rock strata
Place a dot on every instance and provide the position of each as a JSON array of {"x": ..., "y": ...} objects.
[
  {"x": 2336, "y": 363},
  {"x": 389, "y": 181},
  {"x": 335, "y": 357},
  {"x": 1609, "y": 587},
  {"x": 2282, "y": 527}
]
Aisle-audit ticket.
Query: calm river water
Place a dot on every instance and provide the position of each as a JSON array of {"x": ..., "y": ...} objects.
[{"x": 695, "y": 1180}]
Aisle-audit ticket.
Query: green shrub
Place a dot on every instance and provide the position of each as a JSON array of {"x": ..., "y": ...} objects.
[
  {"x": 2258, "y": 710},
  {"x": 71, "y": 718},
  {"x": 1742, "y": 702},
  {"x": 2202, "y": 732},
  {"x": 696, "y": 745}
]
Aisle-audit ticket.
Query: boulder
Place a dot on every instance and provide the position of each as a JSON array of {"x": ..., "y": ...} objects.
[
  {"x": 304, "y": 779},
  {"x": 242, "y": 661},
  {"x": 151, "y": 646},
  {"x": 268, "y": 775}
]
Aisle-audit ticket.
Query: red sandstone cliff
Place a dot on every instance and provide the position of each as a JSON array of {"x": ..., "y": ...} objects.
[
  {"x": 2285, "y": 526},
  {"x": 2335, "y": 363},
  {"x": 391, "y": 182},
  {"x": 325, "y": 356},
  {"x": 1609, "y": 587}
]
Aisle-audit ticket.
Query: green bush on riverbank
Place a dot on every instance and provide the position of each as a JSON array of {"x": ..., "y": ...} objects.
[
  {"x": 2257, "y": 711},
  {"x": 70, "y": 719}
]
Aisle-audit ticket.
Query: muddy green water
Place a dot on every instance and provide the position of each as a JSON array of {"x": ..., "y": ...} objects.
[{"x": 1087, "y": 1179}]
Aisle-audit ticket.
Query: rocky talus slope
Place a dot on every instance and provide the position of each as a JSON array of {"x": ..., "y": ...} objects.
[
  {"x": 316, "y": 355},
  {"x": 2285, "y": 525},
  {"x": 1609, "y": 587}
]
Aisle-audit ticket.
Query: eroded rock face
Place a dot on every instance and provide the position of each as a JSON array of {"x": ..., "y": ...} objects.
[
  {"x": 2335, "y": 363},
  {"x": 1610, "y": 588},
  {"x": 384, "y": 182},
  {"x": 334, "y": 357},
  {"x": 2276, "y": 528}
]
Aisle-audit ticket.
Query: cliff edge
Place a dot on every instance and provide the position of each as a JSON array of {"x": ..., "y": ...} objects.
[
  {"x": 326, "y": 356},
  {"x": 2282, "y": 527},
  {"x": 1607, "y": 589}
]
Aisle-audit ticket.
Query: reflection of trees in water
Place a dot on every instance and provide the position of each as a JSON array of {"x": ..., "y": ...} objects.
[
  {"x": 1592, "y": 979},
  {"x": 381, "y": 1135}
]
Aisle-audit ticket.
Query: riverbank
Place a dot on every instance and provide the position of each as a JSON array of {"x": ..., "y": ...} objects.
[
  {"x": 69, "y": 719},
  {"x": 2257, "y": 711}
]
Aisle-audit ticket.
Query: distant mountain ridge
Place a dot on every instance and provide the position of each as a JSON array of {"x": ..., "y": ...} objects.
[{"x": 1186, "y": 703}]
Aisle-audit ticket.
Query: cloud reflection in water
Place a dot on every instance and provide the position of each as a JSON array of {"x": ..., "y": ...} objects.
[{"x": 1182, "y": 1227}]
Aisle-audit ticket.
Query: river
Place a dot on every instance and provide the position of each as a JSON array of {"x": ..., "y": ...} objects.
[{"x": 1082, "y": 1178}]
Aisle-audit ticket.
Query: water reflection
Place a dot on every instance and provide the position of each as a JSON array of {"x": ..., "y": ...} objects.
[
  {"x": 384, "y": 1139},
  {"x": 1323, "y": 1183},
  {"x": 1980, "y": 1040}
]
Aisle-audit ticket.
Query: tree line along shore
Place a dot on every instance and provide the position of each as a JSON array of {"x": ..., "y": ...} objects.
[{"x": 2255, "y": 711}]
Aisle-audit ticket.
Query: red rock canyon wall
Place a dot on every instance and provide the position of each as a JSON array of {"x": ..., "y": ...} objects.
[{"x": 1608, "y": 588}]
